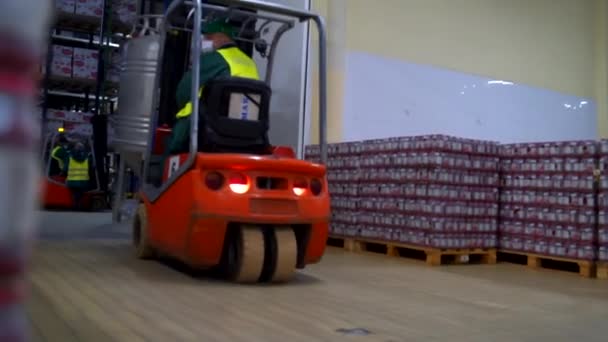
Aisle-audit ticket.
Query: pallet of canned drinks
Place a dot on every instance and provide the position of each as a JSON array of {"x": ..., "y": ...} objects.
[
  {"x": 435, "y": 193},
  {"x": 602, "y": 198},
  {"x": 343, "y": 178},
  {"x": 440, "y": 193},
  {"x": 548, "y": 203}
]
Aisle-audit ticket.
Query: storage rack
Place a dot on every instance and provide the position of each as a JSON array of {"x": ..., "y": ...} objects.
[{"x": 96, "y": 96}]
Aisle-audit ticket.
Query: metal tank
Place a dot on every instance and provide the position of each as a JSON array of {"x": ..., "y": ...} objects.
[{"x": 136, "y": 95}]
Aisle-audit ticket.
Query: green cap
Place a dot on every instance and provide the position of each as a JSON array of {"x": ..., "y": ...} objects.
[{"x": 219, "y": 26}]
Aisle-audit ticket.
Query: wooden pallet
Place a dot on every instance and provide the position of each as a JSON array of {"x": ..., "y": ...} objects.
[
  {"x": 602, "y": 270},
  {"x": 432, "y": 256},
  {"x": 585, "y": 267}
]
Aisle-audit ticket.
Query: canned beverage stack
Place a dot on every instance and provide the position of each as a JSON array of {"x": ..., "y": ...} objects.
[
  {"x": 343, "y": 178},
  {"x": 547, "y": 201},
  {"x": 436, "y": 191},
  {"x": 602, "y": 236}
]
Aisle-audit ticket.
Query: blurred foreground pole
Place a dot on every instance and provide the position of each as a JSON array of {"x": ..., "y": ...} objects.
[{"x": 24, "y": 28}]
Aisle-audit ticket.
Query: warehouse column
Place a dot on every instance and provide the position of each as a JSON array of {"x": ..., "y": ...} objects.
[
  {"x": 335, "y": 16},
  {"x": 601, "y": 66}
]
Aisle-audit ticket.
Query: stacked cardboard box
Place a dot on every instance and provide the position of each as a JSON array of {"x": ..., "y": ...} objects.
[
  {"x": 125, "y": 11},
  {"x": 89, "y": 8},
  {"x": 70, "y": 121},
  {"x": 434, "y": 191},
  {"x": 65, "y": 6},
  {"x": 602, "y": 236},
  {"x": 53, "y": 126},
  {"x": 82, "y": 63},
  {"x": 547, "y": 199},
  {"x": 343, "y": 178},
  {"x": 61, "y": 61},
  {"x": 74, "y": 62},
  {"x": 85, "y": 64},
  {"x": 70, "y": 116}
]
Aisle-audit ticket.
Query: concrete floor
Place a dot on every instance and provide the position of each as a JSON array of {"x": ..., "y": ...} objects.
[{"x": 86, "y": 286}]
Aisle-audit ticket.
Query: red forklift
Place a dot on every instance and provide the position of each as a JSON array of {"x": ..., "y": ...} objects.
[
  {"x": 234, "y": 201},
  {"x": 55, "y": 192}
]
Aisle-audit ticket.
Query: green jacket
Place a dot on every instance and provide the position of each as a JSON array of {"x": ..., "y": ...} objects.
[
  {"x": 212, "y": 65},
  {"x": 59, "y": 153}
]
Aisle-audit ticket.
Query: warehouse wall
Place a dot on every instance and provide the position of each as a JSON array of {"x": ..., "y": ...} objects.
[
  {"x": 288, "y": 106},
  {"x": 601, "y": 65},
  {"x": 546, "y": 44}
]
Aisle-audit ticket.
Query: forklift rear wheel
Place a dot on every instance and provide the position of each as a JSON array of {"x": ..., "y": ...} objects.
[
  {"x": 286, "y": 254},
  {"x": 245, "y": 255},
  {"x": 143, "y": 250}
]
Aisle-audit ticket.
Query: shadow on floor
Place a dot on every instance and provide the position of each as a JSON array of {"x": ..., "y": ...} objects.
[
  {"x": 215, "y": 275},
  {"x": 161, "y": 269},
  {"x": 95, "y": 233}
]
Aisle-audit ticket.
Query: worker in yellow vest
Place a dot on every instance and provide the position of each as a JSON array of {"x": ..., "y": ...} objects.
[
  {"x": 78, "y": 179},
  {"x": 59, "y": 156},
  {"x": 220, "y": 58}
]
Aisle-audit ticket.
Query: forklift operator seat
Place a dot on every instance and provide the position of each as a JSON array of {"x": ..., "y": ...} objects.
[{"x": 234, "y": 116}]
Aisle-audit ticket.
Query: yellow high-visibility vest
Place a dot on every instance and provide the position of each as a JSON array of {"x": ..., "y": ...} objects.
[
  {"x": 78, "y": 171},
  {"x": 54, "y": 156},
  {"x": 240, "y": 64}
]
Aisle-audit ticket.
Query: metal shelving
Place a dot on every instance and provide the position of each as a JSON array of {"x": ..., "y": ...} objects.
[{"x": 103, "y": 34}]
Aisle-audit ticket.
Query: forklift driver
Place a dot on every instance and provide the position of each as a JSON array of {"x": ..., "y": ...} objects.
[
  {"x": 220, "y": 58},
  {"x": 59, "y": 157}
]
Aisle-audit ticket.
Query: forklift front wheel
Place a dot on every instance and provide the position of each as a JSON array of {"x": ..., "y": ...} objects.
[{"x": 143, "y": 250}]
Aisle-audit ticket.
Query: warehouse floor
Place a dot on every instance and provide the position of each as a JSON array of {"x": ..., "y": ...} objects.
[{"x": 86, "y": 286}]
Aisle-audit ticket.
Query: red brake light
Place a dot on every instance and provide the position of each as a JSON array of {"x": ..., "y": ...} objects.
[
  {"x": 239, "y": 183},
  {"x": 299, "y": 187},
  {"x": 214, "y": 180},
  {"x": 316, "y": 186}
]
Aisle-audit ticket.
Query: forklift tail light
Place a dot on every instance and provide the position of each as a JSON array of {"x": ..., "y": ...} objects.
[
  {"x": 316, "y": 186},
  {"x": 214, "y": 180},
  {"x": 299, "y": 187},
  {"x": 239, "y": 183}
]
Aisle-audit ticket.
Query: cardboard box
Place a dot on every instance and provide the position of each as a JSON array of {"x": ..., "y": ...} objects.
[
  {"x": 83, "y": 129},
  {"x": 61, "y": 62},
  {"x": 87, "y": 56},
  {"x": 53, "y": 126},
  {"x": 85, "y": 64},
  {"x": 90, "y": 8},
  {"x": 86, "y": 117},
  {"x": 84, "y": 71},
  {"x": 63, "y": 52},
  {"x": 125, "y": 11},
  {"x": 68, "y": 116},
  {"x": 66, "y": 6},
  {"x": 55, "y": 114}
]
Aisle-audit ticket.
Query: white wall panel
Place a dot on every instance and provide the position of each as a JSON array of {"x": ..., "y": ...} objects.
[{"x": 388, "y": 97}]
